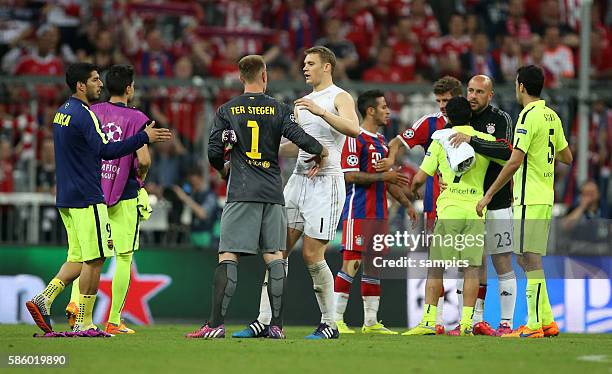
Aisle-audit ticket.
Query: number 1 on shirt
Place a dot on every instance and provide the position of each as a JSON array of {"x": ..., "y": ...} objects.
[{"x": 254, "y": 154}]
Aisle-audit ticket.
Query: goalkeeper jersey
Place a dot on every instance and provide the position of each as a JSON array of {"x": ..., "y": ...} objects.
[
  {"x": 539, "y": 134},
  {"x": 463, "y": 191}
]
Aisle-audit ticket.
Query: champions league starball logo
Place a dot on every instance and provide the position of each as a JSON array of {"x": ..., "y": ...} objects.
[{"x": 113, "y": 132}]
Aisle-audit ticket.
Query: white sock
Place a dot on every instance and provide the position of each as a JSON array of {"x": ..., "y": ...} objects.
[
  {"x": 323, "y": 285},
  {"x": 370, "y": 310},
  {"x": 507, "y": 296},
  {"x": 265, "y": 311},
  {"x": 440, "y": 311},
  {"x": 459, "y": 298},
  {"x": 478, "y": 311},
  {"x": 341, "y": 301}
]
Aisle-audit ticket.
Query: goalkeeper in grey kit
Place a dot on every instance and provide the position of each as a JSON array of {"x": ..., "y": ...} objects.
[{"x": 254, "y": 218}]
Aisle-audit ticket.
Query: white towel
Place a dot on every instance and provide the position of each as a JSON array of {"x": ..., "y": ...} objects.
[{"x": 462, "y": 158}]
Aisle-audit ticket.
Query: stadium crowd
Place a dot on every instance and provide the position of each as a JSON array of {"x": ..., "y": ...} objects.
[{"x": 378, "y": 41}]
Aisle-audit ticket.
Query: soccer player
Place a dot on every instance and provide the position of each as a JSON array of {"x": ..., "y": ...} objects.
[
  {"x": 80, "y": 145},
  {"x": 455, "y": 218},
  {"x": 314, "y": 203},
  {"x": 365, "y": 211},
  {"x": 254, "y": 217},
  {"x": 498, "y": 222},
  {"x": 538, "y": 141},
  {"x": 419, "y": 134},
  {"x": 122, "y": 180}
]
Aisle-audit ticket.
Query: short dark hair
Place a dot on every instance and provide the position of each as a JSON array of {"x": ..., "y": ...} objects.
[
  {"x": 79, "y": 72},
  {"x": 118, "y": 78},
  {"x": 532, "y": 78},
  {"x": 458, "y": 111},
  {"x": 250, "y": 66},
  {"x": 325, "y": 54},
  {"x": 448, "y": 84},
  {"x": 368, "y": 100}
]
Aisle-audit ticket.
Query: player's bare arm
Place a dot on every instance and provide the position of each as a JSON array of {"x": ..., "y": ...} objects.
[
  {"x": 398, "y": 194},
  {"x": 516, "y": 159},
  {"x": 417, "y": 181},
  {"x": 144, "y": 162},
  {"x": 346, "y": 122},
  {"x": 288, "y": 150},
  {"x": 565, "y": 156},
  {"x": 391, "y": 177}
]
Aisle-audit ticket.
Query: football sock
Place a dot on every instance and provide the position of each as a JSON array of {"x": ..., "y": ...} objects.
[
  {"x": 265, "y": 311},
  {"x": 44, "y": 299},
  {"x": 535, "y": 280},
  {"x": 277, "y": 282},
  {"x": 370, "y": 293},
  {"x": 547, "y": 313},
  {"x": 85, "y": 317},
  {"x": 440, "y": 309},
  {"x": 429, "y": 315},
  {"x": 507, "y": 296},
  {"x": 323, "y": 285},
  {"x": 460, "y": 295},
  {"x": 75, "y": 292},
  {"x": 224, "y": 285},
  {"x": 121, "y": 284},
  {"x": 342, "y": 287},
  {"x": 467, "y": 316},
  {"x": 479, "y": 306}
]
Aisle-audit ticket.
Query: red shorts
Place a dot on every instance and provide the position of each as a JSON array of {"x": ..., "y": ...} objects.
[{"x": 363, "y": 235}]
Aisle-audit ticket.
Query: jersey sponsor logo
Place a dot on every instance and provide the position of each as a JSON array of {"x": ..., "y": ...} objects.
[
  {"x": 113, "y": 132},
  {"x": 463, "y": 191},
  {"x": 522, "y": 131},
  {"x": 409, "y": 134},
  {"x": 263, "y": 164},
  {"x": 490, "y": 128},
  {"x": 376, "y": 156},
  {"x": 352, "y": 160}
]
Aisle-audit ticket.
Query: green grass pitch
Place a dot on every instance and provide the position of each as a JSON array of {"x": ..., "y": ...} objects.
[{"x": 163, "y": 349}]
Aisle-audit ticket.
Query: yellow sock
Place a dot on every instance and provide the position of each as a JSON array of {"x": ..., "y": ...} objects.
[
  {"x": 85, "y": 316},
  {"x": 51, "y": 291},
  {"x": 75, "y": 292},
  {"x": 535, "y": 281},
  {"x": 467, "y": 315},
  {"x": 429, "y": 314}
]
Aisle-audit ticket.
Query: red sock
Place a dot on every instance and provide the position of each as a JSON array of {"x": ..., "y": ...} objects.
[
  {"x": 482, "y": 291},
  {"x": 343, "y": 282},
  {"x": 370, "y": 286}
]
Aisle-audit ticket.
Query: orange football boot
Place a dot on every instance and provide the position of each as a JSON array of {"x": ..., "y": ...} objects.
[
  {"x": 114, "y": 329},
  {"x": 551, "y": 330},
  {"x": 525, "y": 332},
  {"x": 72, "y": 310}
]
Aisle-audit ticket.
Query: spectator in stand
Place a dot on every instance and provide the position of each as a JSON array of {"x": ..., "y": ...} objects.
[
  {"x": 226, "y": 66},
  {"x": 42, "y": 59},
  {"x": 585, "y": 225},
  {"x": 406, "y": 48},
  {"x": 106, "y": 52},
  {"x": 558, "y": 58},
  {"x": 479, "y": 60},
  {"x": 426, "y": 27},
  {"x": 600, "y": 148},
  {"x": 152, "y": 59},
  {"x": 384, "y": 71},
  {"x": 450, "y": 47},
  {"x": 180, "y": 107},
  {"x": 301, "y": 21},
  {"x": 550, "y": 16},
  {"x": 7, "y": 161},
  {"x": 508, "y": 59},
  {"x": 363, "y": 29},
  {"x": 536, "y": 57},
  {"x": 45, "y": 171},
  {"x": 516, "y": 25},
  {"x": 344, "y": 49},
  {"x": 204, "y": 209},
  {"x": 601, "y": 56}
]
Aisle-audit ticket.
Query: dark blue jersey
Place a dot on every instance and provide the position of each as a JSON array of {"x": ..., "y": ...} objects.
[{"x": 80, "y": 146}]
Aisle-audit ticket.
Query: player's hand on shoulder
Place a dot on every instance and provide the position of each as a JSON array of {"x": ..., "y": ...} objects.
[
  {"x": 309, "y": 105},
  {"x": 442, "y": 183},
  {"x": 396, "y": 177},
  {"x": 157, "y": 135},
  {"x": 457, "y": 138},
  {"x": 384, "y": 164}
]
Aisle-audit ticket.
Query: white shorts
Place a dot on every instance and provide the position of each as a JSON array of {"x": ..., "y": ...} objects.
[
  {"x": 314, "y": 205},
  {"x": 499, "y": 229}
]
